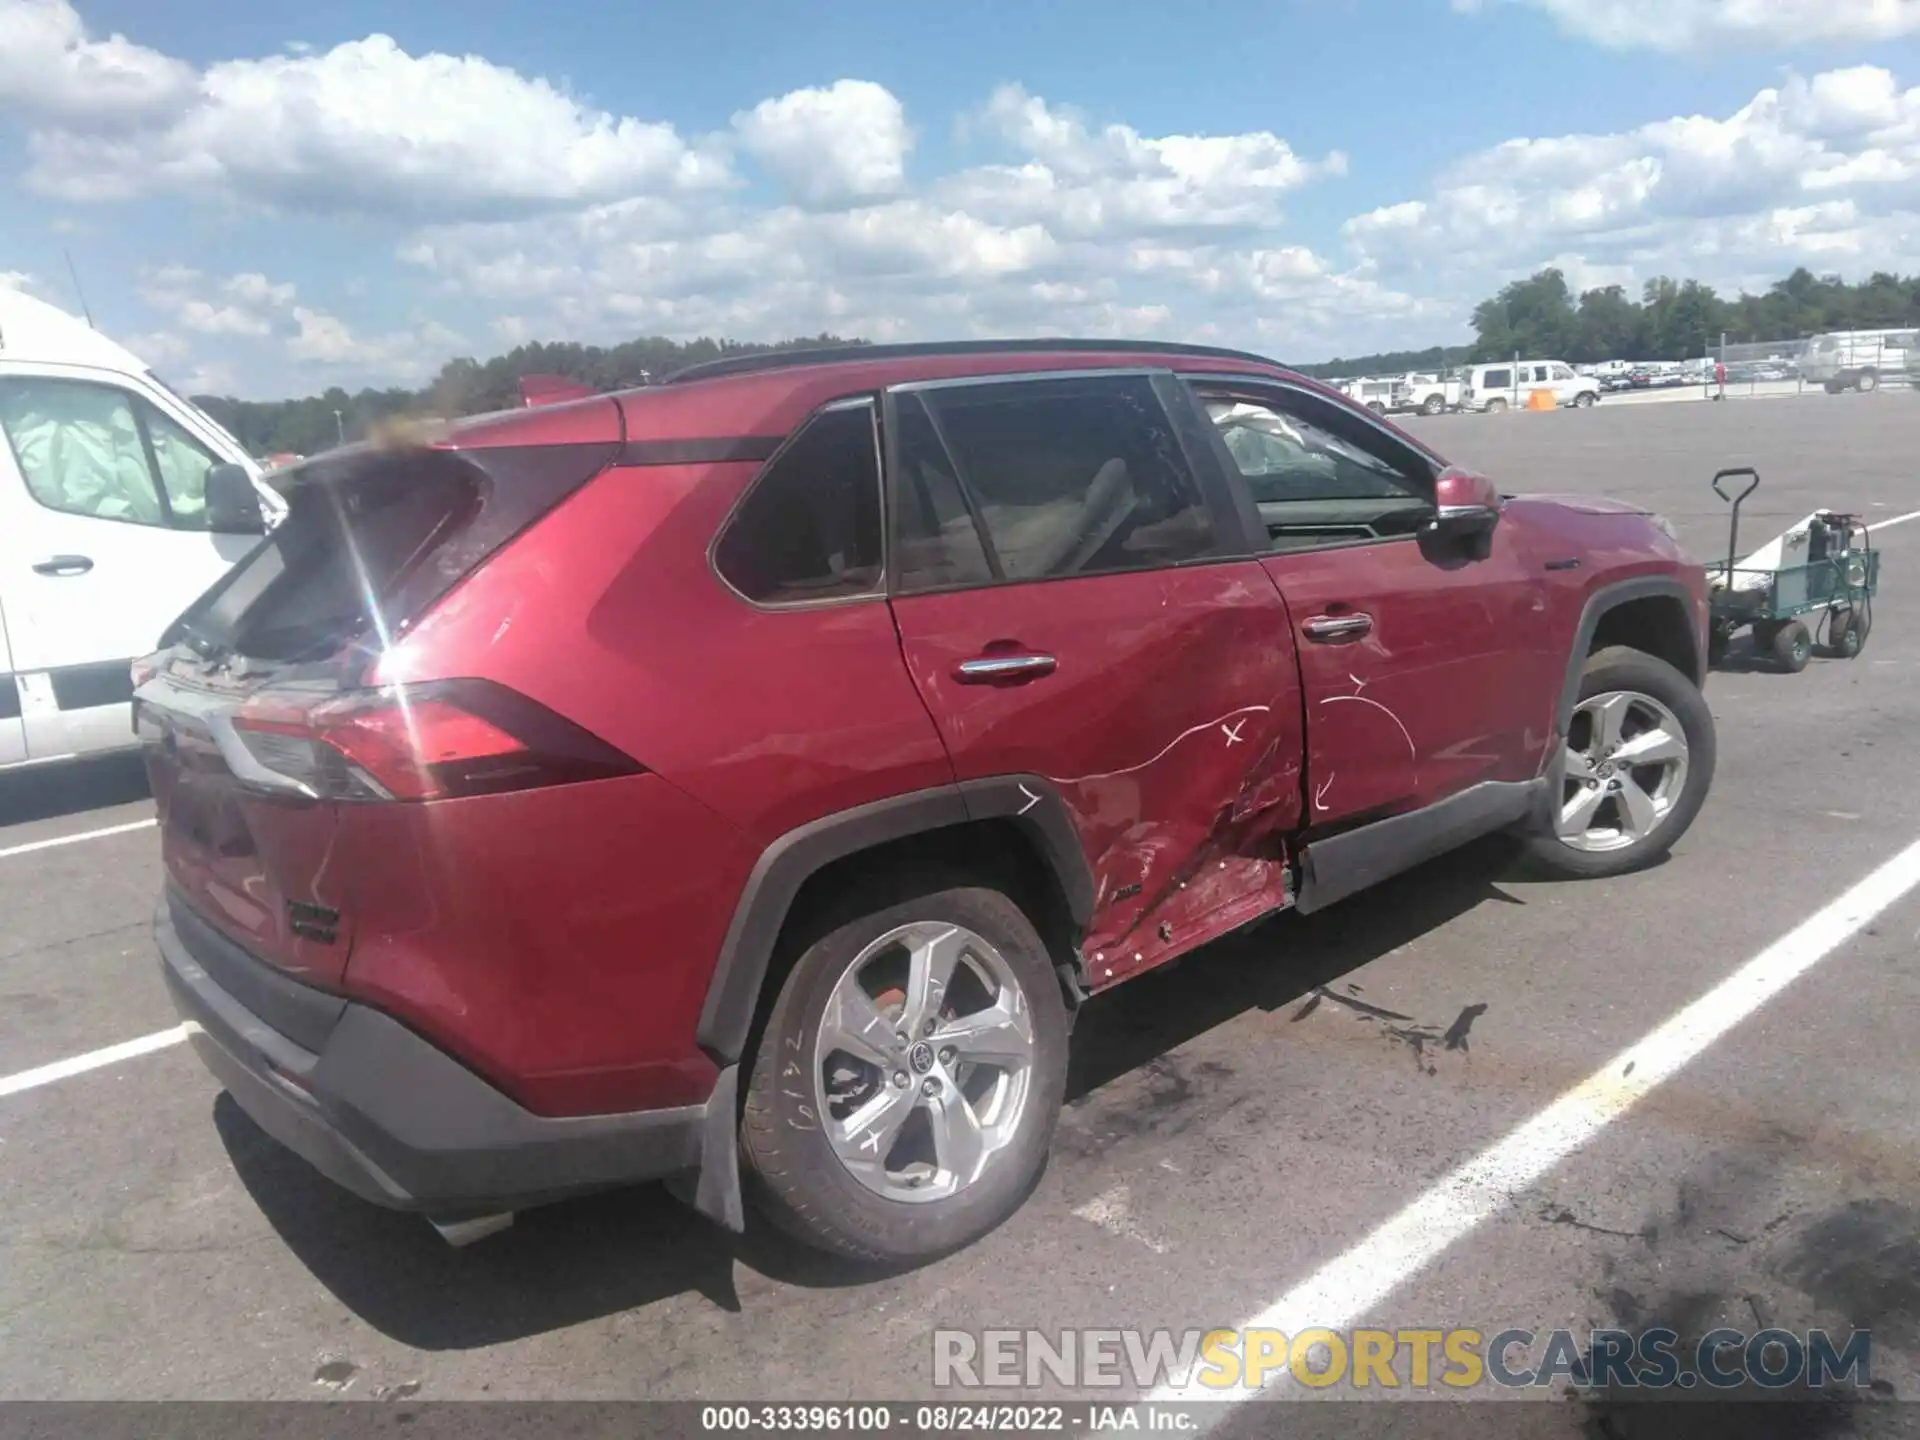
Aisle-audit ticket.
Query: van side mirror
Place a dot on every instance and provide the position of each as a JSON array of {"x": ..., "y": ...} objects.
[
  {"x": 233, "y": 505},
  {"x": 1466, "y": 508}
]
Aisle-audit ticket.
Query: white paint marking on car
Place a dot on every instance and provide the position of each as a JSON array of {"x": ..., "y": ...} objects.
[
  {"x": 33, "y": 845},
  {"x": 1347, "y": 1287},
  {"x": 1109, "y": 1210},
  {"x": 92, "y": 1060},
  {"x": 1895, "y": 520}
]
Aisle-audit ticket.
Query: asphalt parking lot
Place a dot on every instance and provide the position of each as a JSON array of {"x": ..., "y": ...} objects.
[{"x": 1237, "y": 1125}]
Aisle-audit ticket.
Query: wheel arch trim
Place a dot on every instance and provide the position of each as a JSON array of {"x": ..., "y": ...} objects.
[
  {"x": 785, "y": 866},
  {"x": 1611, "y": 597}
]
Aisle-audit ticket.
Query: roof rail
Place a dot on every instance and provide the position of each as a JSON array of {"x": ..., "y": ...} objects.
[{"x": 846, "y": 354}]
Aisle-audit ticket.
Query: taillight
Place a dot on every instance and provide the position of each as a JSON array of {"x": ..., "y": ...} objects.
[{"x": 434, "y": 741}]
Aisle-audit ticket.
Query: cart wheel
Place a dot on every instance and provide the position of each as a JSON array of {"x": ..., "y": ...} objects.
[
  {"x": 1718, "y": 638},
  {"x": 1792, "y": 647},
  {"x": 1845, "y": 634}
]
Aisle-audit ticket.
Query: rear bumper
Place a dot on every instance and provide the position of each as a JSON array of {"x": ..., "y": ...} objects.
[{"x": 396, "y": 1120}]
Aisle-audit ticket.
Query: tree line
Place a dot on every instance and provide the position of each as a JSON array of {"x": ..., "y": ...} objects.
[
  {"x": 1680, "y": 319},
  {"x": 1538, "y": 316},
  {"x": 471, "y": 387}
]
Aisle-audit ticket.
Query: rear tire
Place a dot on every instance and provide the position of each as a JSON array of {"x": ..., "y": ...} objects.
[
  {"x": 1792, "y": 647},
  {"x": 1867, "y": 381},
  {"x": 1718, "y": 639},
  {"x": 1834, "y": 387},
  {"x": 858, "y": 1187},
  {"x": 1601, "y": 830},
  {"x": 1845, "y": 634},
  {"x": 1584, "y": 400},
  {"x": 1494, "y": 407}
]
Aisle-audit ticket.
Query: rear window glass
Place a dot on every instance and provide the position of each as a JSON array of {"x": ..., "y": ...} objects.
[
  {"x": 327, "y": 571},
  {"x": 1496, "y": 379},
  {"x": 371, "y": 539}
]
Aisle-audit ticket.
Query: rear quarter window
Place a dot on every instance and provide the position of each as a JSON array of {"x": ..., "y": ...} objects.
[{"x": 809, "y": 529}]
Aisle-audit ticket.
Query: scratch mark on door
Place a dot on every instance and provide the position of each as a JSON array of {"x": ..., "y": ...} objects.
[
  {"x": 1363, "y": 700},
  {"x": 1190, "y": 730}
]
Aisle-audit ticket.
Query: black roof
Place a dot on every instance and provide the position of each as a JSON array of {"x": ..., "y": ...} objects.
[{"x": 843, "y": 354}]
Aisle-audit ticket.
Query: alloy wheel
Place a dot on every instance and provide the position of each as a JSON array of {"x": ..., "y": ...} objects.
[
  {"x": 1626, "y": 768},
  {"x": 923, "y": 1062}
]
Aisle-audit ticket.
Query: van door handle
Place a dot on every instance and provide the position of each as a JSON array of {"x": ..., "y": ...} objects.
[
  {"x": 1336, "y": 629},
  {"x": 64, "y": 565},
  {"x": 1006, "y": 667}
]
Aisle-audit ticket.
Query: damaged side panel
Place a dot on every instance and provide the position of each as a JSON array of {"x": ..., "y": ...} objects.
[{"x": 1168, "y": 721}]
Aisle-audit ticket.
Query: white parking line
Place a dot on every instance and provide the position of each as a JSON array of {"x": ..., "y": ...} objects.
[
  {"x": 92, "y": 1060},
  {"x": 1344, "y": 1289},
  {"x": 1896, "y": 520},
  {"x": 34, "y": 845}
]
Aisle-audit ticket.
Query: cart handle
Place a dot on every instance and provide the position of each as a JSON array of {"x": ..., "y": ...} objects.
[
  {"x": 1735, "y": 500},
  {"x": 1733, "y": 525}
]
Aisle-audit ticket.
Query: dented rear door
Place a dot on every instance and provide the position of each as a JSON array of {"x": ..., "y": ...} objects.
[{"x": 1061, "y": 614}]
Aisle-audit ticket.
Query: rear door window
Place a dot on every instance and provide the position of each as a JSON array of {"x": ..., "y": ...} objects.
[
  {"x": 1496, "y": 380},
  {"x": 1056, "y": 478},
  {"x": 809, "y": 529}
]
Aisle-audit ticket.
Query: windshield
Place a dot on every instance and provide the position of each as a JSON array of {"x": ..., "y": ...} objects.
[
  {"x": 1286, "y": 458},
  {"x": 198, "y": 414}
]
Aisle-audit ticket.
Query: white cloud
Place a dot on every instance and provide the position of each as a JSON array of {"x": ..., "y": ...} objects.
[
  {"x": 16, "y": 280},
  {"x": 244, "y": 305},
  {"x": 1089, "y": 182},
  {"x": 1708, "y": 25},
  {"x": 1823, "y": 170},
  {"x": 1095, "y": 230},
  {"x": 846, "y": 142},
  {"x": 364, "y": 127},
  {"x": 409, "y": 355},
  {"x": 52, "y": 69},
  {"x": 159, "y": 348}
]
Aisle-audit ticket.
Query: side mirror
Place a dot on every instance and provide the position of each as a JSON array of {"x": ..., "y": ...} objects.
[
  {"x": 1466, "y": 507},
  {"x": 233, "y": 505}
]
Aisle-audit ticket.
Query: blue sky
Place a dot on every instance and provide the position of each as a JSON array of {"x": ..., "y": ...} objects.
[{"x": 268, "y": 198}]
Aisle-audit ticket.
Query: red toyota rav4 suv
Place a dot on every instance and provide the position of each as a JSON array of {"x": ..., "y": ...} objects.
[{"x": 742, "y": 780}]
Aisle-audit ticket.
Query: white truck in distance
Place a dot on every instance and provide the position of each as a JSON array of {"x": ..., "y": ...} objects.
[
  {"x": 1508, "y": 385},
  {"x": 1429, "y": 395},
  {"x": 1856, "y": 359}
]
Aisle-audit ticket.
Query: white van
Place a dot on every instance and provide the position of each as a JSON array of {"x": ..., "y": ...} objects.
[
  {"x": 120, "y": 502},
  {"x": 1504, "y": 384},
  {"x": 1856, "y": 359}
]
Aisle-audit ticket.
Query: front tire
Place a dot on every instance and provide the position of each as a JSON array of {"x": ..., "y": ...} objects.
[
  {"x": 905, "y": 1091},
  {"x": 1432, "y": 405},
  {"x": 1639, "y": 760},
  {"x": 1584, "y": 400},
  {"x": 1867, "y": 381}
]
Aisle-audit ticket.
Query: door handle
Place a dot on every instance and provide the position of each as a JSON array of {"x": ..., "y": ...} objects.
[
  {"x": 1337, "y": 629},
  {"x": 64, "y": 565},
  {"x": 1006, "y": 667}
]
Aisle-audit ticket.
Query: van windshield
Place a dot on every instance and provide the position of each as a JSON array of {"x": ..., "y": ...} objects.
[{"x": 199, "y": 414}]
